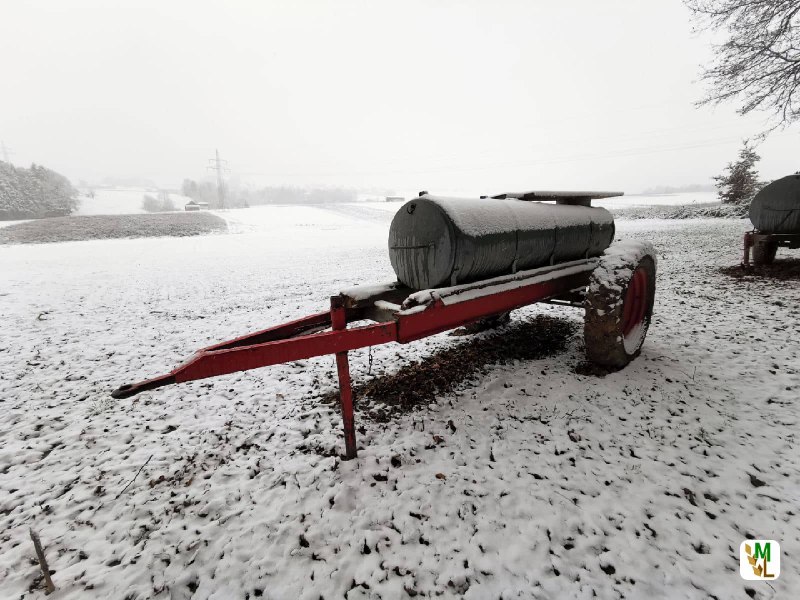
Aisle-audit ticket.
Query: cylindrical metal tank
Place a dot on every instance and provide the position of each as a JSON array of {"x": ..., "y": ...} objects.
[
  {"x": 435, "y": 241},
  {"x": 776, "y": 208}
]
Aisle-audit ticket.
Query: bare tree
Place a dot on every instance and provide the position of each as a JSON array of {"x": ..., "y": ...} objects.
[{"x": 758, "y": 65}]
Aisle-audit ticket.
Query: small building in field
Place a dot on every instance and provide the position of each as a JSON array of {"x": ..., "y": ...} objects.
[
  {"x": 394, "y": 198},
  {"x": 195, "y": 205}
]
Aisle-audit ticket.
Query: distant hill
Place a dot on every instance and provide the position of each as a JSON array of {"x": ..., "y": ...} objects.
[{"x": 34, "y": 193}]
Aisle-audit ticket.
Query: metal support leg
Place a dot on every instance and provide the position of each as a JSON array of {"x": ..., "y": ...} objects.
[
  {"x": 339, "y": 321},
  {"x": 748, "y": 243}
]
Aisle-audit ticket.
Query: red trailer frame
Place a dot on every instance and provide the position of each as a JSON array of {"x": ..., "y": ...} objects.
[
  {"x": 401, "y": 314},
  {"x": 772, "y": 241}
]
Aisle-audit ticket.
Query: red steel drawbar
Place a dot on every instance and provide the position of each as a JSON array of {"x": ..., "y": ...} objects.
[{"x": 327, "y": 332}]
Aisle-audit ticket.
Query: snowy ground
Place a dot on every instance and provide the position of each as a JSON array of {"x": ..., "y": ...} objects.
[
  {"x": 636, "y": 200},
  {"x": 129, "y": 201},
  {"x": 101, "y": 227},
  {"x": 9, "y": 223},
  {"x": 548, "y": 484},
  {"x": 617, "y": 202},
  {"x": 122, "y": 201},
  {"x": 114, "y": 202}
]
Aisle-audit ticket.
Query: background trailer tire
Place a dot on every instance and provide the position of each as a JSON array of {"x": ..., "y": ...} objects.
[
  {"x": 619, "y": 305},
  {"x": 764, "y": 253}
]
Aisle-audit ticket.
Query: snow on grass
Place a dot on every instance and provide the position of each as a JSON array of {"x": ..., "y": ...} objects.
[
  {"x": 9, "y": 223},
  {"x": 129, "y": 201},
  {"x": 122, "y": 201},
  {"x": 617, "y": 202},
  {"x": 79, "y": 228},
  {"x": 638, "y": 200},
  {"x": 306, "y": 221},
  {"x": 541, "y": 483},
  {"x": 114, "y": 202}
]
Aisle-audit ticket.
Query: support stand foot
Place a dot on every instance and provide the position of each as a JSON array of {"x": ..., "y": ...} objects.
[{"x": 339, "y": 322}]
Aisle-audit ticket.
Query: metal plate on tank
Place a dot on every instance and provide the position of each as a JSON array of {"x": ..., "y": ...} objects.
[{"x": 421, "y": 244}]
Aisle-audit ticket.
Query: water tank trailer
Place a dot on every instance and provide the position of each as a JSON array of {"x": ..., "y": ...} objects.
[
  {"x": 775, "y": 214},
  {"x": 458, "y": 262}
]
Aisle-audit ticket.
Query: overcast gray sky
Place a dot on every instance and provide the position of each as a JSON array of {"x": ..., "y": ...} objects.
[{"x": 446, "y": 96}]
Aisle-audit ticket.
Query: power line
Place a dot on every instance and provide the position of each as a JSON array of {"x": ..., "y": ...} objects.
[
  {"x": 219, "y": 165},
  {"x": 522, "y": 162},
  {"x": 543, "y": 143}
]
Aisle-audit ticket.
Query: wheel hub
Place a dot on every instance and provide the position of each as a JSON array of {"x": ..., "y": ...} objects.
[{"x": 634, "y": 307}]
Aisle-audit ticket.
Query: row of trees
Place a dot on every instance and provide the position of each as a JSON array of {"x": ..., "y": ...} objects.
[
  {"x": 204, "y": 191},
  {"x": 297, "y": 195},
  {"x": 236, "y": 197},
  {"x": 34, "y": 193},
  {"x": 161, "y": 204}
]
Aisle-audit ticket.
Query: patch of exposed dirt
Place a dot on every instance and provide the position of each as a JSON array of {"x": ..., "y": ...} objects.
[
  {"x": 99, "y": 227},
  {"x": 592, "y": 370},
  {"x": 420, "y": 383},
  {"x": 781, "y": 269}
]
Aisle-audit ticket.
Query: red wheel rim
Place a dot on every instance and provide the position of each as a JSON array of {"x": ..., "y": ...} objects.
[{"x": 634, "y": 308}]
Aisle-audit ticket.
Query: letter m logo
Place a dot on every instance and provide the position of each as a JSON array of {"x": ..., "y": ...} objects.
[{"x": 762, "y": 552}]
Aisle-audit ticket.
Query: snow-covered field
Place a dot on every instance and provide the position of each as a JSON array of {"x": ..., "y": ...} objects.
[
  {"x": 548, "y": 484},
  {"x": 113, "y": 202},
  {"x": 9, "y": 223},
  {"x": 129, "y": 201},
  {"x": 617, "y": 202},
  {"x": 121, "y": 201},
  {"x": 636, "y": 200}
]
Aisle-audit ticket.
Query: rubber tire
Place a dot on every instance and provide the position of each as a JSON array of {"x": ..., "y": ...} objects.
[
  {"x": 603, "y": 335},
  {"x": 764, "y": 254}
]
